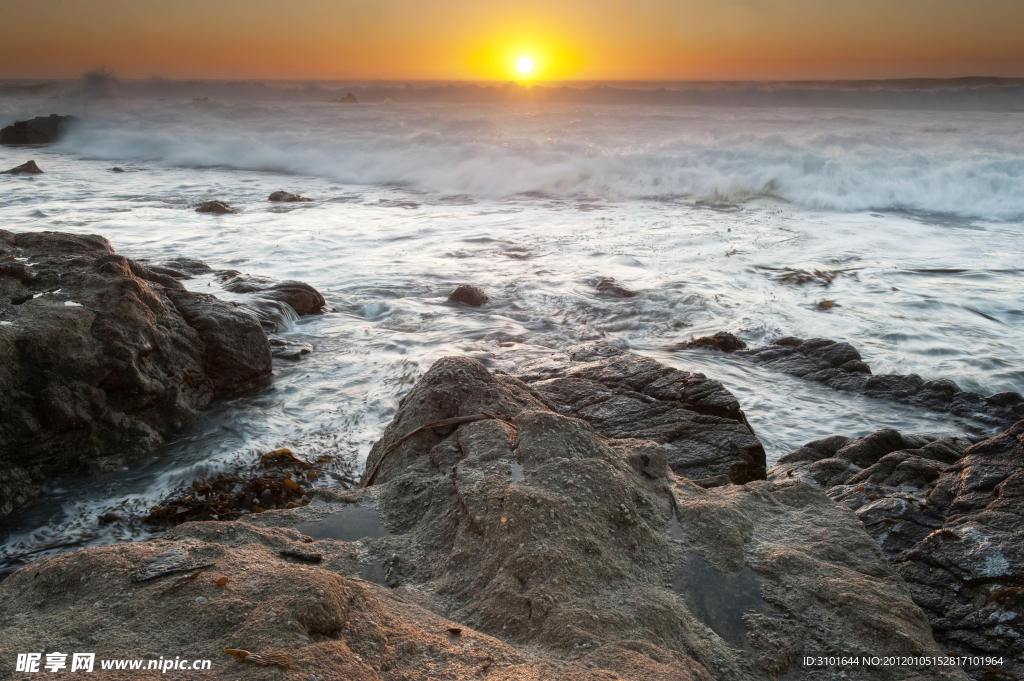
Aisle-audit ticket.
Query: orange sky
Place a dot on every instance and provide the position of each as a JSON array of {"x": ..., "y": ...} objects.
[{"x": 481, "y": 39}]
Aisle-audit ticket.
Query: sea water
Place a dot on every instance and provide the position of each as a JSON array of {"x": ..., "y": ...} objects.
[{"x": 701, "y": 209}]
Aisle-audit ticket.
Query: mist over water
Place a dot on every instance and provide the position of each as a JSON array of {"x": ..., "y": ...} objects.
[{"x": 696, "y": 207}]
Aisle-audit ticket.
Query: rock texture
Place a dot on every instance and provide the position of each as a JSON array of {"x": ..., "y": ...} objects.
[
  {"x": 103, "y": 358},
  {"x": 468, "y": 295},
  {"x": 531, "y": 548},
  {"x": 949, "y": 515},
  {"x": 609, "y": 285},
  {"x": 622, "y": 395},
  {"x": 218, "y": 207},
  {"x": 287, "y": 197},
  {"x": 27, "y": 168},
  {"x": 840, "y": 366},
  {"x": 302, "y": 298},
  {"x": 39, "y": 130}
]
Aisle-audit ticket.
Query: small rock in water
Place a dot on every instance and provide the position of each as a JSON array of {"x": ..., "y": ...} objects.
[
  {"x": 287, "y": 197},
  {"x": 469, "y": 295},
  {"x": 110, "y": 517},
  {"x": 27, "y": 168},
  {"x": 349, "y": 98},
  {"x": 609, "y": 285},
  {"x": 115, "y": 169},
  {"x": 723, "y": 340},
  {"x": 218, "y": 207}
]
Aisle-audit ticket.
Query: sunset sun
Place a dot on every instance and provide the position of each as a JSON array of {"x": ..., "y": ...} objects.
[{"x": 525, "y": 66}]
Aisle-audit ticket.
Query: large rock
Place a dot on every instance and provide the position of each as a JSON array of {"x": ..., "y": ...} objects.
[
  {"x": 104, "y": 359},
  {"x": 39, "y": 130},
  {"x": 623, "y": 395},
  {"x": 840, "y": 366},
  {"x": 948, "y": 515},
  {"x": 526, "y": 548}
]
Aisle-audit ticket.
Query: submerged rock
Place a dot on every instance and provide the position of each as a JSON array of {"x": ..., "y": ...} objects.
[
  {"x": 468, "y": 295},
  {"x": 622, "y": 395},
  {"x": 39, "y": 130},
  {"x": 105, "y": 358},
  {"x": 287, "y": 197},
  {"x": 946, "y": 512},
  {"x": 27, "y": 168},
  {"x": 609, "y": 285},
  {"x": 215, "y": 207}
]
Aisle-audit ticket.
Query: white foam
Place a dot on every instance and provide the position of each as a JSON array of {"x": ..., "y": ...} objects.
[{"x": 965, "y": 164}]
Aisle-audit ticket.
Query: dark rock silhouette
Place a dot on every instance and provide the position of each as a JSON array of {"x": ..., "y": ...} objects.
[
  {"x": 39, "y": 130},
  {"x": 287, "y": 197},
  {"x": 218, "y": 207},
  {"x": 723, "y": 340},
  {"x": 349, "y": 98},
  {"x": 27, "y": 168},
  {"x": 840, "y": 366},
  {"x": 468, "y": 295}
]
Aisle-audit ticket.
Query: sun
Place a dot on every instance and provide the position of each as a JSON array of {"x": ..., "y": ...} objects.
[{"x": 525, "y": 65}]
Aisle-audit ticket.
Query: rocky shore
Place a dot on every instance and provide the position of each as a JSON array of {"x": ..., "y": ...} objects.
[
  {"x": 592, "y": 515},
  {"x": 105, "y": 358}
]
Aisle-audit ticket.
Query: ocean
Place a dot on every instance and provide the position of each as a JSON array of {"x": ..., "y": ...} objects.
[{"x": 701, "y": 199}]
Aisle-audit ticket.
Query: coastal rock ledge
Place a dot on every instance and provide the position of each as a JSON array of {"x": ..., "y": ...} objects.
[
  {"x": 519, "y": 545},
  {"x": 104, "y": 359}
]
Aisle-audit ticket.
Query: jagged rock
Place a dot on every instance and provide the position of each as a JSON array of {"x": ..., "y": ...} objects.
[
  {"x": 286, "y": 197},
  {"x": 105, "y": 358},
  {"x": 946, "y": 512},
  {"x": 27, "y": 168},
  {"x": 623, "y": 395},
  {"x": 609, "y": 285},
  {"x": 215, "y": 207},
  {"x": 840, "y": 366},
  {"x": 723, "y": 340},
  {"x": 39, "y": 130},
  {"x": 549, "y": 551},
  {"x": 349, "y": 98},
  {"x": 468, "y": 295}
]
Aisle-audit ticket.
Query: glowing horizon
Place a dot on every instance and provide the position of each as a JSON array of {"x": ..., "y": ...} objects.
[{"x": 564, "y": 39}]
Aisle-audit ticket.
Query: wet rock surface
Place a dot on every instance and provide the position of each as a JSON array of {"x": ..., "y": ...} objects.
[
  {"x": 105, "y": 358},
  {"x": 287, "y": 197},
  {"x": 697, "y": 420},
  {"x": 948, "y": 513},
  {"x": 840, "y": 366},
  {"x": 468, "y": 295},
  {"x": 302, "y": 298},
  {"x": 27, "y": 168},
  {"x": 218, "y": 207},
  {"x": 589, "y": 565},
  {"x": 38, "y": 130},
  {"x": 612, "y": 287}
]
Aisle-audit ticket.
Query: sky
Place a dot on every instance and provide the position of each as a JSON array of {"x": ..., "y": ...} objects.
[{"x": 487, "y": 40}]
